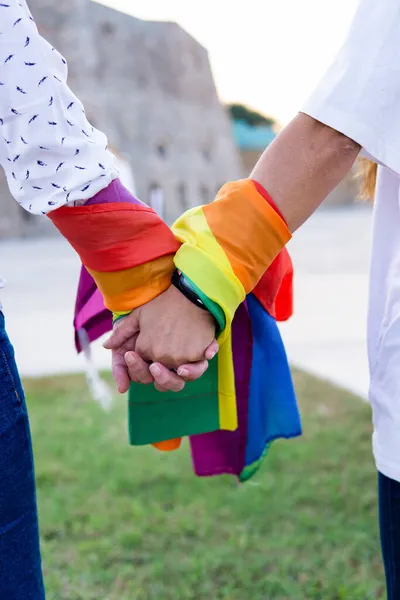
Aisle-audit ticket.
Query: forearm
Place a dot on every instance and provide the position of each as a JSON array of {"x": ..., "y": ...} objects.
[{"x": 303, "y": 165}]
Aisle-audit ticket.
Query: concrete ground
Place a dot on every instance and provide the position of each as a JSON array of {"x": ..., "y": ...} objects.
[{"x": 326, "y": 336}]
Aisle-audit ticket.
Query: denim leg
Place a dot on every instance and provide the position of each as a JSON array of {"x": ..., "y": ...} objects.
[
  {"x": 389, "y": 523},
  {"x": 20, "y": 562}
]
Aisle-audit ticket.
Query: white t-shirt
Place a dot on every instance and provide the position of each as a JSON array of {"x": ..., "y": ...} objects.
[{"x": 360, "y": 97}]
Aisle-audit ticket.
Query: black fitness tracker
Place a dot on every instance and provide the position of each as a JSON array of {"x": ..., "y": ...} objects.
[{"x": 181, "y": 283}]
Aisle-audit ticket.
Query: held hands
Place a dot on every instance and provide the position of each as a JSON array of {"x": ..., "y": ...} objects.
[{"x": 167, "y": 341}]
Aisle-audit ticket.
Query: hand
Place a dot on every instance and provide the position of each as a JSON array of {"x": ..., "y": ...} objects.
[
  {"x": 128, "y": 366},
  {"x": 119, "y": 364},
  {"x": 170, "y": 332}
]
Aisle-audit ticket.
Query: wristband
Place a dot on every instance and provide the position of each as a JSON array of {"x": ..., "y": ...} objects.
[{"x": 182, "y": 284}]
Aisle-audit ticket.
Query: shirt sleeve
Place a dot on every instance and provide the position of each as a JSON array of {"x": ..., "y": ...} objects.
[
  {"x": 51, "y": 154},
  {"x": 360, "y": 94}
]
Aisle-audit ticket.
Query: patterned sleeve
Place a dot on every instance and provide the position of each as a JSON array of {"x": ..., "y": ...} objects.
[{"x": 51, "y": 154}]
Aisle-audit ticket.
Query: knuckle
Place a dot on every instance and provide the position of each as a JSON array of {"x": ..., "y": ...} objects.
[
  {"x": 167, "y": 360},
  {"x": 143, "y": 348},
  {"x": 175, "y": 362},
  {"x": 150, "y": 351},
  {"x": 193, "y": 356},
  {"x": 158, "y": 353}
]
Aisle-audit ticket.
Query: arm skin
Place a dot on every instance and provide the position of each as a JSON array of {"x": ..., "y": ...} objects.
[{"x": 303, "y": 165}]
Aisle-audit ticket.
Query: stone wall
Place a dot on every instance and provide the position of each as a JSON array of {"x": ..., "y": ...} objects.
[
  {"x": 162, "y": 109},
  {"x": 149, "y": 86}
]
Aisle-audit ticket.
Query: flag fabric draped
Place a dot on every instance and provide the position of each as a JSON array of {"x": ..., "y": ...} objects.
[{"x": 246, "y": 398}]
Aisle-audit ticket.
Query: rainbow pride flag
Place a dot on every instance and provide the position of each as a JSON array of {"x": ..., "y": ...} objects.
[
  {"x": 266, "y": 403},
  {"x": 246, "y": 399}
]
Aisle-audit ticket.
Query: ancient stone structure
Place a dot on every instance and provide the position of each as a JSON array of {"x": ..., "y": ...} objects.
[{"x": 149, "y": 86}]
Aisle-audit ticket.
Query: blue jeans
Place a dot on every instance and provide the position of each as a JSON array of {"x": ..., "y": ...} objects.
[
  {"x": 20, "y": 562},
  {"x": 389, "y": 523}
]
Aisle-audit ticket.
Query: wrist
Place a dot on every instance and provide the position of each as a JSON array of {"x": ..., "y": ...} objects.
[
  {"x": 183, "y": 284},
  {"x": 220, "y": 286}
]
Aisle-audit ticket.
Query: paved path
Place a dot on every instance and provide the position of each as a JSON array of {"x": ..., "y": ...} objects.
[{"x": 326, "y": 336}]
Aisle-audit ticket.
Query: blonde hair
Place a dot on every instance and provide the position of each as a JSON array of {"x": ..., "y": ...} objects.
[{"x": 368, "y": 173}]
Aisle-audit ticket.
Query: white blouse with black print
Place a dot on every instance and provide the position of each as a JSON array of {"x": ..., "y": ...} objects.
[{"x": 51, "y": 154}]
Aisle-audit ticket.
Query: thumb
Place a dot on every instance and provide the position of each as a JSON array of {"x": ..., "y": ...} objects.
[{"x": 124, "y": 329}]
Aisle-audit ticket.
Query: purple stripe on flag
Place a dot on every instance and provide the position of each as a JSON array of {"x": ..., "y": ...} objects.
[{"x": 223, "y": 452}]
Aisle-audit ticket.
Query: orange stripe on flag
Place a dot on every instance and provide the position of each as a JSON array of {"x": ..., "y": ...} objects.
[
  {"x": 125, "y": 290},
  {"x": 248, "y": 229}
]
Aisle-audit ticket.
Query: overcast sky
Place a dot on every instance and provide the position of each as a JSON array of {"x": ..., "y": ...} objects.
[{"x": 268, "y": 54}]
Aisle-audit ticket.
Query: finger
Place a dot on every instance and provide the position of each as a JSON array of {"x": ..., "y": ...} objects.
[
  {"x": 160, "y": 388},
  {"x": 138, "y": 369},
  {"x": 121, "y": 378},
  {"x": 166, "y": 379},
  {"x": 211, "y": 350},
  {"x": 123, "y": 331},
  {"x": 193, "y": 371}
]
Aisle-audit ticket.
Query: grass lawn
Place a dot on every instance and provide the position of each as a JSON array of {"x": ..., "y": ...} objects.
[{"x": 120, "y": 523}]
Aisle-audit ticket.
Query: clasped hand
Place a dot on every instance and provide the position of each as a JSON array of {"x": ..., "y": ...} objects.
[{"x": 166, "y": 342}]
